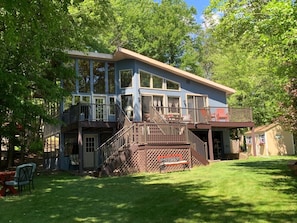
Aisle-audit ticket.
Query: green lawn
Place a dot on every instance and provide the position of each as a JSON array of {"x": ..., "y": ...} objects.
[{"x": 253, "y": 190}]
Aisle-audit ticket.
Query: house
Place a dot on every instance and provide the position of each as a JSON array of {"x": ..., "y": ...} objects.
[
  {"x": 127, "y": 109},
  {"x": 271, "y": 140}
]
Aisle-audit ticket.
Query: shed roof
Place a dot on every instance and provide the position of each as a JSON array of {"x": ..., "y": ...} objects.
[
  {"x": 122, "y": 53},
  {"x": 263, "y": 128}
]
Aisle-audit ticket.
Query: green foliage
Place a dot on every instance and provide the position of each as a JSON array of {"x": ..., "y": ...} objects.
[
  {"x": 265, "y": 30},
  {"x": 166, "y": 31},
  {"x": 33, "y": 36}
]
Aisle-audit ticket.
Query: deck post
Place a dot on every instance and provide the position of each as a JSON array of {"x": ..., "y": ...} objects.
[{"x": 210, "y": 145}]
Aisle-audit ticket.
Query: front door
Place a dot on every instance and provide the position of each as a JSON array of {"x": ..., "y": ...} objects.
[
  {"x": 90, "y": 143},
  {"x": 99, "y": 109}
]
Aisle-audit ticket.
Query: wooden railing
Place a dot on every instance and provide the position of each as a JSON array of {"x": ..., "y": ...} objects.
[
  {"x": 141, "y": 133},
  {"x": 203, "y": 115},
  {"x": 199, "y": 145},
  {"x": 90, "y": 112}
]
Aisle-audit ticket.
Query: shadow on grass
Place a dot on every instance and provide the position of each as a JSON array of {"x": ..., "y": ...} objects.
[{"x": 65, "y": 198}]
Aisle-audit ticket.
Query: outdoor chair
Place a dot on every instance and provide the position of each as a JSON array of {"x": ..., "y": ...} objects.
[
  {"x": 22, "y": 177},
  {"x": 32, "y": 174},
  {"x": 74, "y": 161},
  {"x": 221, "y": 114}
]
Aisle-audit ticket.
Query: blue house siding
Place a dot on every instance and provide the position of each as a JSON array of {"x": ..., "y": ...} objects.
[{"x": 216, "y": 98}]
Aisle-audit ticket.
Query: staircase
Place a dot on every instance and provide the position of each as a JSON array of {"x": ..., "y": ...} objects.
[{"x": 135, "y": 147}]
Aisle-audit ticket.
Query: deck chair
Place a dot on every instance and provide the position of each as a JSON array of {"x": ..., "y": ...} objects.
[
  {"x": 74, "y": 161},
  {"x": 32, "y": 174},
  {"x": 221, "y": 114},
  {"x": 22, "y": 177}
]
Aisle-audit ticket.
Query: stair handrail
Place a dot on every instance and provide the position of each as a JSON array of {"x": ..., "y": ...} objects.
[
  {"x": 200, "y": 145},
  {"x": 117, "y": 141},
  {"x": 122, "y": 118},
  {"x": 155, "y": 113}
]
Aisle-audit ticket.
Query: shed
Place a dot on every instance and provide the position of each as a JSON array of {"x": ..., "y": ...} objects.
[{"x": 271, "y": 140}]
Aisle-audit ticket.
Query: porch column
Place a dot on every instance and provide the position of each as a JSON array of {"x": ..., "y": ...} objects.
[
  {"x": 80, "y": 148},
  {"x": 210, "y": 145},
  {"x": 254, "y": 142}
]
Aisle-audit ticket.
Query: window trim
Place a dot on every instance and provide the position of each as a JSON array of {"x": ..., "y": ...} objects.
[
  {"x": 165, "y": 85},
  {"x": 164, "y": 81}
]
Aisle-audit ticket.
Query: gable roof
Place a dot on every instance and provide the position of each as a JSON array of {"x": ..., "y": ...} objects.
[
  {"x": 122, "y": 53},
  {"x": 263, "y": 128}
]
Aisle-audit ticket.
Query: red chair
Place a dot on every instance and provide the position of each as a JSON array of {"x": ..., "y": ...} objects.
[{"x": 221, "y": 115}]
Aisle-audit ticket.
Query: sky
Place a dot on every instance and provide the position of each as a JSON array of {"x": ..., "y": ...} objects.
[{"x": 200, "y": 5}]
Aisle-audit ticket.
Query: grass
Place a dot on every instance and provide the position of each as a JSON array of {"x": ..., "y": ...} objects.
[{"x": 254, "y": 190}]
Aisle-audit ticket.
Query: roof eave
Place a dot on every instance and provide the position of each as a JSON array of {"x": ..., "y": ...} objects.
[{"x": 122, "y": 53}]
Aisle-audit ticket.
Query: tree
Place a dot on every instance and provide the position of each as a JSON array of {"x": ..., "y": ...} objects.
[
  {"x": 266, "y": 29},
  {"x": 165, "y": 31},
  {"x": 33, "y": 37}
]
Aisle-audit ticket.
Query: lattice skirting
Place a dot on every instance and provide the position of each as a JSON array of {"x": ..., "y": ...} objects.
[{"x": 145, "y": 159}]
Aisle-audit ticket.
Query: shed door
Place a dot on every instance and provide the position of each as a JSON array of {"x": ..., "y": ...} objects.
[{"x": 89, "y": 145}]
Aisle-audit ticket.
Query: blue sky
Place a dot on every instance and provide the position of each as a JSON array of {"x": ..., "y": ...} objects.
[{"x": 200, "y": 5}]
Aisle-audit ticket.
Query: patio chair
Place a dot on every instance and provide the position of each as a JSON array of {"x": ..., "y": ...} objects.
[
  {"x": 32, "y": 174},
  {"x": 221, "y": 114},
  {"x": 73, "y": 161},
  {"x": 22, "y": 177}
]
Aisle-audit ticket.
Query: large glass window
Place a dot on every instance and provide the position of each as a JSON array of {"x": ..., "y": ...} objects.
[
  {"x": 145, "y": 79},
  {"x": 69, "y": 83},
  {"x": 126, "y": 78},
  {"x": 127, "y": 105},
  {"x": 157, "y": 82},
  {"x": 158, "y": 103},
  {"x": 150, "y": 81},
  {"x": 84, "y": 76},
  {"x": 112, "y": 106},
  {"x": 172, "y": 85},
  {"x": 111, "y": 79},
  {"x": 99, "y": 77},
  {"x": 173, "y": 104}
]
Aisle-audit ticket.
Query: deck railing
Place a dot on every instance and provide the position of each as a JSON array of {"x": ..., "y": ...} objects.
[
  {"x": 90, "y": 112},
  {"x": 203, "y": 115},
  {"x": 106, "y": 112},
  {"x": 141, "y": 133}
]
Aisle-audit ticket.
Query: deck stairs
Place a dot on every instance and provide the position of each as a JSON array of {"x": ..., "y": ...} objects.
[{"x": 112, "y": 155}]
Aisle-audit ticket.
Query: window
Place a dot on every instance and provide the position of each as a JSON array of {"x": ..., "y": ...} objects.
[
  {"x": 150, "y": 81},
  {"x": 126, "y": 78},
  {"x": 172, "y": 85},
  {"x": 248, "y": 140},
  {"x": 157, "y": 82},
  {"x": 112, "y": 106},
  {"x": 69, "y": 83},
  {"x": 78, "y": 98},
  {"x": 158, "y": 103},
  {"x": 173, "y": 104},
  {"x": 99, "y": 77},
  {"x": 111, "y": 79},
  {"x": 145, "y": 79},
  {"x": 262, "y": 139},
  {"x": 127, "y": 105},
  {"x": 84, "y": 76}
]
